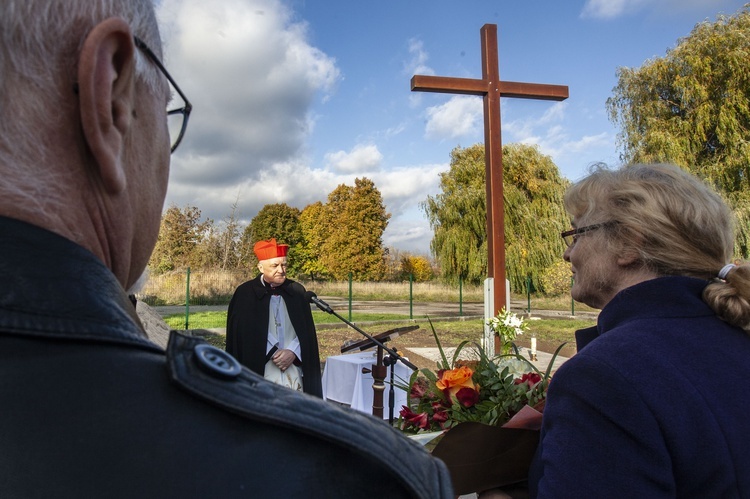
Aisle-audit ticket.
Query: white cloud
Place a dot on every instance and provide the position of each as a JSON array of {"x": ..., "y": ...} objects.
[
  {"x": 606, "y": 9},
  {"x": 417, "y": 63},
  {"x": 293, "y": 183},
  {"x": 459, "y": 117},
  {"x": 551, "y": 132},
  {"x": 611, "y": 9},
  {"x": 362, "y": 158},
  {"x": 403, "y": 190},
  {"x": 554, "y": 113},
  {"x": 252, "y": 77},
  {"x": 405, "y": 187},
  {"x": 414, "y": 236}
]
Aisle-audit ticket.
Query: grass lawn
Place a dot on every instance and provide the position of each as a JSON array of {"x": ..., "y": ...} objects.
[
  {"x": 550, "y": 333},
  {"x": 212, "y": 320}
]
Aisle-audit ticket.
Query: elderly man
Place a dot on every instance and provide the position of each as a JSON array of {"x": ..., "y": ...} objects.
[
  {"x": 270, "y": 327},
  {"x": 91, "y": 408}
]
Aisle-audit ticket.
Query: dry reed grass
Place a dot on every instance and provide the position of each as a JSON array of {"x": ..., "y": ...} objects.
[{"x": 216, "y": 287}]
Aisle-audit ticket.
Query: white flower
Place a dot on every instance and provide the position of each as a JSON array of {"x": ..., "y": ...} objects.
[{"x": 507, "y": 325}]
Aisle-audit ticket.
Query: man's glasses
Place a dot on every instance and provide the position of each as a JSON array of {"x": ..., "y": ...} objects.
[
  {"x": 571, "y": 236},
  {"x": 178, "y": 117}
]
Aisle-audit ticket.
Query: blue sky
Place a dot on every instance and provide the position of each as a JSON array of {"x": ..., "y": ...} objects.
[{"x": 293, "y": 98}]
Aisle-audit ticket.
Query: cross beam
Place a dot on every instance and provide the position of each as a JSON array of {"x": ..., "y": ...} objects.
[{"x": 491, "y": 88}]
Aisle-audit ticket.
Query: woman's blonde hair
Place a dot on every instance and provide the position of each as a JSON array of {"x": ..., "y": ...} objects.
[{"x": 672, "y": 222}]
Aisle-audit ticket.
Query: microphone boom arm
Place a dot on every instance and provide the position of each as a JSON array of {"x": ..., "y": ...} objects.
[{"x": 326, "y": 308}]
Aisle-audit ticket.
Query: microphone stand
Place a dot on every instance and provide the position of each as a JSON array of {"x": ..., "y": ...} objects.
[
  {"x": 388, "y": 361},
  {"x": 378, "y": 370}
]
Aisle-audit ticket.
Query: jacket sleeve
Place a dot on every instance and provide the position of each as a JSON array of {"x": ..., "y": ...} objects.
[{"x": 599, "y": 438}]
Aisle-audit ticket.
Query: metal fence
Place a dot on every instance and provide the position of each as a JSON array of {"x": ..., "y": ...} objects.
[
  {"x": 183, "y": 287},
  {"x": 216, "y": 287},
  {"x": 186, "y": 288}
]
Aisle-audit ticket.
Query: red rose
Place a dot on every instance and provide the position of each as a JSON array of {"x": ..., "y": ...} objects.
[
  {"x": 530, "y": 379},
  {"x": 467, "y": 397}
]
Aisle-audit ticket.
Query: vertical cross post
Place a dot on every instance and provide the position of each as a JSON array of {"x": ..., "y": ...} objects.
[{"x": 492, "y": 89}]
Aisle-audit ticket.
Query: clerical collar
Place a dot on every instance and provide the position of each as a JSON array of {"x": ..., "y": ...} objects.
[{"x": 270, "y": 289}]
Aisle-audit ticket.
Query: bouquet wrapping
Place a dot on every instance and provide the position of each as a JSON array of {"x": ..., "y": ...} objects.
[{"x": 485, "y": 411}]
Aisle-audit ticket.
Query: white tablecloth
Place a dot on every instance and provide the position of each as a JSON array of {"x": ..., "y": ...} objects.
[{"x": 344, "y": 382}]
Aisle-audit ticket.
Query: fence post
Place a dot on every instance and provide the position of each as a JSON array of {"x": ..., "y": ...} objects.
[
  {"x": 350, "y": 296},
  {"x": 572, "y": 301},
  {"x": 411, "y": 296},
  {"x": 460, "y": 296},
  {"x": 187, "y": 300}
]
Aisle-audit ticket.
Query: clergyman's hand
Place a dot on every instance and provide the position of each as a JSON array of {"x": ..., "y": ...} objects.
[{"x": 283, "y": 359}]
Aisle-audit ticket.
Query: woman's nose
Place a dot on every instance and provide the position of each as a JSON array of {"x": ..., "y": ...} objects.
[{"x": 566, "y": 254}]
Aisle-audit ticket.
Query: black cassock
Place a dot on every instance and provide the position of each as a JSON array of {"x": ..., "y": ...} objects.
[{"x": 247, "y": 328}]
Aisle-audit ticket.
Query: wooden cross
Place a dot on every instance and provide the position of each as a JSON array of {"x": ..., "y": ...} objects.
[{"x": 491, "y": 88}]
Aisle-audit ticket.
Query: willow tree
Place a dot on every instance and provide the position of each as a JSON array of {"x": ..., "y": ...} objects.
[
  {"x": 534, "y": 215},
  {"x": 692, "y": 108},
  {"x": 458, "y": 217}
]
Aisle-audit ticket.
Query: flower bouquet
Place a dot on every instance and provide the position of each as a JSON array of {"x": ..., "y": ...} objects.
[
  {"x": 507, "y": 326},
  {"x": 485, "y": 412}
]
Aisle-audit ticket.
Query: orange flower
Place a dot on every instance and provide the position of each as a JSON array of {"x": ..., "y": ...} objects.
[
  {"x": 454, "y": 380},
  {"x": 455, "y": 377}
]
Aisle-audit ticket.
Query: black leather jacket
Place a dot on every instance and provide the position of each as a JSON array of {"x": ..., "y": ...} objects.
[{"x": 91, "y": 408}]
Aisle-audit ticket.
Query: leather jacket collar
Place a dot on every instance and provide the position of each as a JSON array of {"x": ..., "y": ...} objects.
[{"x": 51, "y": 287}]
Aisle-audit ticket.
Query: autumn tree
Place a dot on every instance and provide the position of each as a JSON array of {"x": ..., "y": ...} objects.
[
  {"x": 279, "y": 221},
  {"x": 229, "y": 241},
  {"x": 416, "y": 266},
  {"x": 208, "y": 251},
  {"x": 180, "y": 236},
  {"x": 534, "y": 215},
  {"x": 692, "y": 108},
  {"x": 357, "y": 219},
  {"x": 315, "y": 229},
  {"x": 219, "y": 248},
  {"x": 393, "y": 258}
]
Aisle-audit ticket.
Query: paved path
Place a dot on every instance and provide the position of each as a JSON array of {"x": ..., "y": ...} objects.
[{"x": 417, "y": 309}]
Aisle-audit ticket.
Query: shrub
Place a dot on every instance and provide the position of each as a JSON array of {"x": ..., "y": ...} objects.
[{"x": 555, "y": 280}]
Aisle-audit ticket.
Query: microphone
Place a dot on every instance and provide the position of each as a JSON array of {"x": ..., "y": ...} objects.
[{"x": 313, "y": 298}]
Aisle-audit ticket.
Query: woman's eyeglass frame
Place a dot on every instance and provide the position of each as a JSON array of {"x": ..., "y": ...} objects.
[{"x": 571, "y": 236}]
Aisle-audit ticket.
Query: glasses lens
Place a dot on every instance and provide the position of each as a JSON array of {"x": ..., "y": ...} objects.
[{"x": 176, "y": 123}]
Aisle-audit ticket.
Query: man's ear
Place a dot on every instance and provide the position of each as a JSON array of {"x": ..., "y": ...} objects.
[{"x": 106, "y": 93}]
